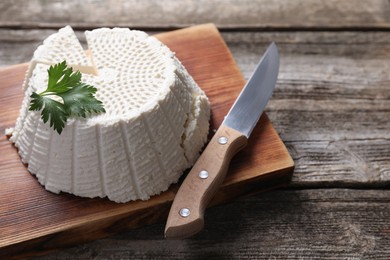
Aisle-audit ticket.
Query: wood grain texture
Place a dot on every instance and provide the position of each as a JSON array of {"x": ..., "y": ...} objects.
[
  {"x": 283, "y": 224},
  {"x": 28, "y": 227},
  {"x": 258, "y": 14},
  {"x": 18, "y": 45},
  {"x": 330, "y": 107}
]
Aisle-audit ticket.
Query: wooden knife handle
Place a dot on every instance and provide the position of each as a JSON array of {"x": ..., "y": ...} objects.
[{"x": 186, "y": 215}]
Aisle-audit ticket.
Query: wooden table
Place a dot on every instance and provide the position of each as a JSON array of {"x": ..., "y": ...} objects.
[{"x": 331, "y": 108}]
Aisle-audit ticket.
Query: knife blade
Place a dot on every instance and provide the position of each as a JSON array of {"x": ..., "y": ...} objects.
[{"x": 186, "y": 216}]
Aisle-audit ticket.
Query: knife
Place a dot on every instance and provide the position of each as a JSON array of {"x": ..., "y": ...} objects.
[{"x": 186, "y": 216}]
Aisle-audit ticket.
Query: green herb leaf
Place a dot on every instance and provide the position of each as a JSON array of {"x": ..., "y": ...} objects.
[
  {"x": 81, "y": 101},
  {"x": 62, "y": 78},
  {"x": 52, "y": 110},
  {"x": 78, "y": 98}
]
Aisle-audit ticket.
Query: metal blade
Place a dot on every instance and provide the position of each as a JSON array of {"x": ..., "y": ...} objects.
[{"x": 249, "y": 105}]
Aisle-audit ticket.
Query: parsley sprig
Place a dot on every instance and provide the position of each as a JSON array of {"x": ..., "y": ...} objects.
[{"x": 77, "y": 98}]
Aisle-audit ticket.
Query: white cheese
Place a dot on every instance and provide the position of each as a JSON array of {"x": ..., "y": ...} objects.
[{"x": 156, "y": 118}]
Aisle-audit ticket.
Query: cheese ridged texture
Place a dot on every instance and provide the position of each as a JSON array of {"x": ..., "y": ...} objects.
[{"x": 155, "y": 124}]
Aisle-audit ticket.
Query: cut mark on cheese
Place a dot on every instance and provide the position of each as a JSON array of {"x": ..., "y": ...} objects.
[
  {"x": 20, "y": 122},
  {"x": 89, "y": 70},
  {"x": 173, "y": 129},
  {"x": 132, "y": 171},
  {"x": 100, "y": 159},
  {"x": 60, "y": 46},
  {"x": 185, "y": 125},
  {"x": 157, "y": 154},
  {"x": 22, "y": 139},
  {"x": 47, "y": 166},
  {"x": 30, "y": 148},
  {"x": 74, "y": 157},
  {"x": 34, "y": 151},
  {"x": 30, "y": 69}
]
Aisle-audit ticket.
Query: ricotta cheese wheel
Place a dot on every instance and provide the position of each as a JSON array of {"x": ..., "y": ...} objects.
[{"x": 156, "y": 120}]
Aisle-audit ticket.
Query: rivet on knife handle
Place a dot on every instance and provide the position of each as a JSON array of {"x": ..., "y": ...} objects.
[{"x": 186, "y": 216}]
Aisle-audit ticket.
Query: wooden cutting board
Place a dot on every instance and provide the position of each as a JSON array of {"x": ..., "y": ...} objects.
[{"x": 34, "y": 221}]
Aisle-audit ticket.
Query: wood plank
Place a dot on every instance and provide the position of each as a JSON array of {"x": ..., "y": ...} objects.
[
  {"x": 345, "y": 141},
  {"x": 18, "y": 45},
  {"x": 256, "y": 14},
  {"x": 62, "y": 220},
  {"x": 288, "y": 224}
]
